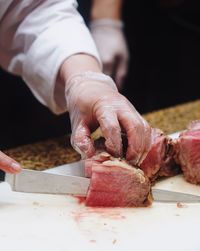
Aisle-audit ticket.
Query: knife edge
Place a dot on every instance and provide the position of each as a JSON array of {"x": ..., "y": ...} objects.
[
  {"x": 30, "y": 181},
  {"x": 160, "y": 195}
]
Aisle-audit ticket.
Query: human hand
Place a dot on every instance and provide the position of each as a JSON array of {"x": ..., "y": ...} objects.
[
  {"x": 8, "y": 165},
  {"x": 93, "y": 100},
  {"x": 111, "y": 44}
]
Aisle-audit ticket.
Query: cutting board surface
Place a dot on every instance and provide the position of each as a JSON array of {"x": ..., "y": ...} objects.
[{"x": 39, "y": 222}]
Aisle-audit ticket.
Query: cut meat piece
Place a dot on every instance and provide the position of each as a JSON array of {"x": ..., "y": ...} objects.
[
  {"x": 152, "y": 163},
  {"x": 187, "y": 149},
  {"x": 114, "y": 183},
  {"x": 95, "y": 160},
  {"x": 159, "y": 161},
  {"x": 160, "y": 158}
]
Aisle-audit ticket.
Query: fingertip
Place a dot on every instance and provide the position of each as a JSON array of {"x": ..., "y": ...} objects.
[
  {"x": 111, "y": 131},
  {"x": 132, "y": 156},
  {"x": 82, "y": 142},
  {"x": 113, "y": 143},
  {"x": 84, "y": 147},
  {"x": 88, "y": 151},
  {"x": 7, "y": 164},
  {"x": 11, "y": 168},
  {"x": 138, "y": 152},
  {"x": 16, "y": 167},
  {"x": 114, "y": 149}
]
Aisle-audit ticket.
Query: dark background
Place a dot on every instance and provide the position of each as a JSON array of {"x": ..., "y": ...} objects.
[{"x": 164, "y": 43}]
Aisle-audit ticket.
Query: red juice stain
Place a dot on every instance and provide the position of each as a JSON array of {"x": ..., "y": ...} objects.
[
  {"x": 113, "y": 213},
  {"x": 80, "y": 199},
  {"x": 78, "y": 216},
  {"x": 86, "y": 212},
  {"x": 106, "y": 213}
]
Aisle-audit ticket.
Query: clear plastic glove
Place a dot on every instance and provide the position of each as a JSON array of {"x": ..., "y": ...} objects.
[
  {"x": 111, "y": 44},
  {"x": 8, "y": 165},
  {"x": 93, "y": 100}
]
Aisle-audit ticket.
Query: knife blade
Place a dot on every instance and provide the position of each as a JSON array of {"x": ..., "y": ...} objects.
[
  {"x": 30, "y": 181},
  {"x": 161, "y": 195},
  {"x": 75, "y": 169}
]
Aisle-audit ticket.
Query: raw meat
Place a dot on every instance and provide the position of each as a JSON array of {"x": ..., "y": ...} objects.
[
  {"x": 188, "y": 152},
  {"x": 114, "y": 183},
  {"x": 160, "y": 158}
]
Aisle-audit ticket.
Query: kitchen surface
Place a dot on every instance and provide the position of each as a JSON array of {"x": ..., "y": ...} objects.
[
  {"x": 162, "y": 83},
  {"x": 62, "y": 222}
]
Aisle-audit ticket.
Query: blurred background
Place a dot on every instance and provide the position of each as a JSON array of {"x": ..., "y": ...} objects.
[{"x": 164, "y": 42}]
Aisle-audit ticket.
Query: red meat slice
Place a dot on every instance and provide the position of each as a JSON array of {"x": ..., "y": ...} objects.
[
  {"x": 96, "y": 159},
  {"x": 114, "y": 183},
  {"x": 188, "y": 152},
  {"x": 160, "y": 158}
]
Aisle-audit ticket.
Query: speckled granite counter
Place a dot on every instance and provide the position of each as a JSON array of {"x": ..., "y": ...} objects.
[{"x": 57, "y": 151}]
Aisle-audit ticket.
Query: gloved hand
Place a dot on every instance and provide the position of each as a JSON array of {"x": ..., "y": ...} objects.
[
  {"x": 9, "y": 165},
  {"x": 111, "y": 44},
  {"x": 93, "y": 100}
]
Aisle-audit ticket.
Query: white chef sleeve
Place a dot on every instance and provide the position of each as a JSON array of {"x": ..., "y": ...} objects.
[{"x": 36, "y": 36}]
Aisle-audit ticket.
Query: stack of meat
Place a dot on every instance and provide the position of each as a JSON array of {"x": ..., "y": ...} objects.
[{"x": 114, "y": 182}]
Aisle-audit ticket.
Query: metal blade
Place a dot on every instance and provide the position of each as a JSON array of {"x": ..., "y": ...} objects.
[
  {"x": 30, "y": 181},
  {"x": 170, "y": 196},
  {"x": 74, "y": 169}
]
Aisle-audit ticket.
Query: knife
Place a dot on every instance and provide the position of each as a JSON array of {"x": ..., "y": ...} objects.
[{"x": 30, "y": 181}]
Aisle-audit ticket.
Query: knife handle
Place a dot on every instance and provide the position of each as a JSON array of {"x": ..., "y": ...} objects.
[{"x": 2, "y": 175}]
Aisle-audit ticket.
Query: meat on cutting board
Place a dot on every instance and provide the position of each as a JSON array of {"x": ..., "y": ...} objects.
[
  {"x": 114, "y": 183},
  {"x": 160, "y": 158},
  {"x": 187, "y": 149}
]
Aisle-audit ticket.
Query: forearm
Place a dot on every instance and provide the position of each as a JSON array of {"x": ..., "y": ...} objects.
[
  {"x": 77, "y": 64},
  {"x": 103, "y": 9},
  {"x": 42, "y": 42},
  {"x": 106, "y": 27}
]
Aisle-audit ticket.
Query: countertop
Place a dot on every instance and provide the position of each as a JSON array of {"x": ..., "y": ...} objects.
[
  {"x": 31, "y": 221},
  {"x": 57, "y": 151}
]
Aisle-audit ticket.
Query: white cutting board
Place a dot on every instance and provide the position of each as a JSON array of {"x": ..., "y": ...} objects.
[
  {"x": 39, "y": 222},
  {"x": 36, "y": 222}
]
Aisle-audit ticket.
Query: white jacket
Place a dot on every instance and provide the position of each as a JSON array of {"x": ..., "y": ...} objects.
[{"x": 36, "y": 36}]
